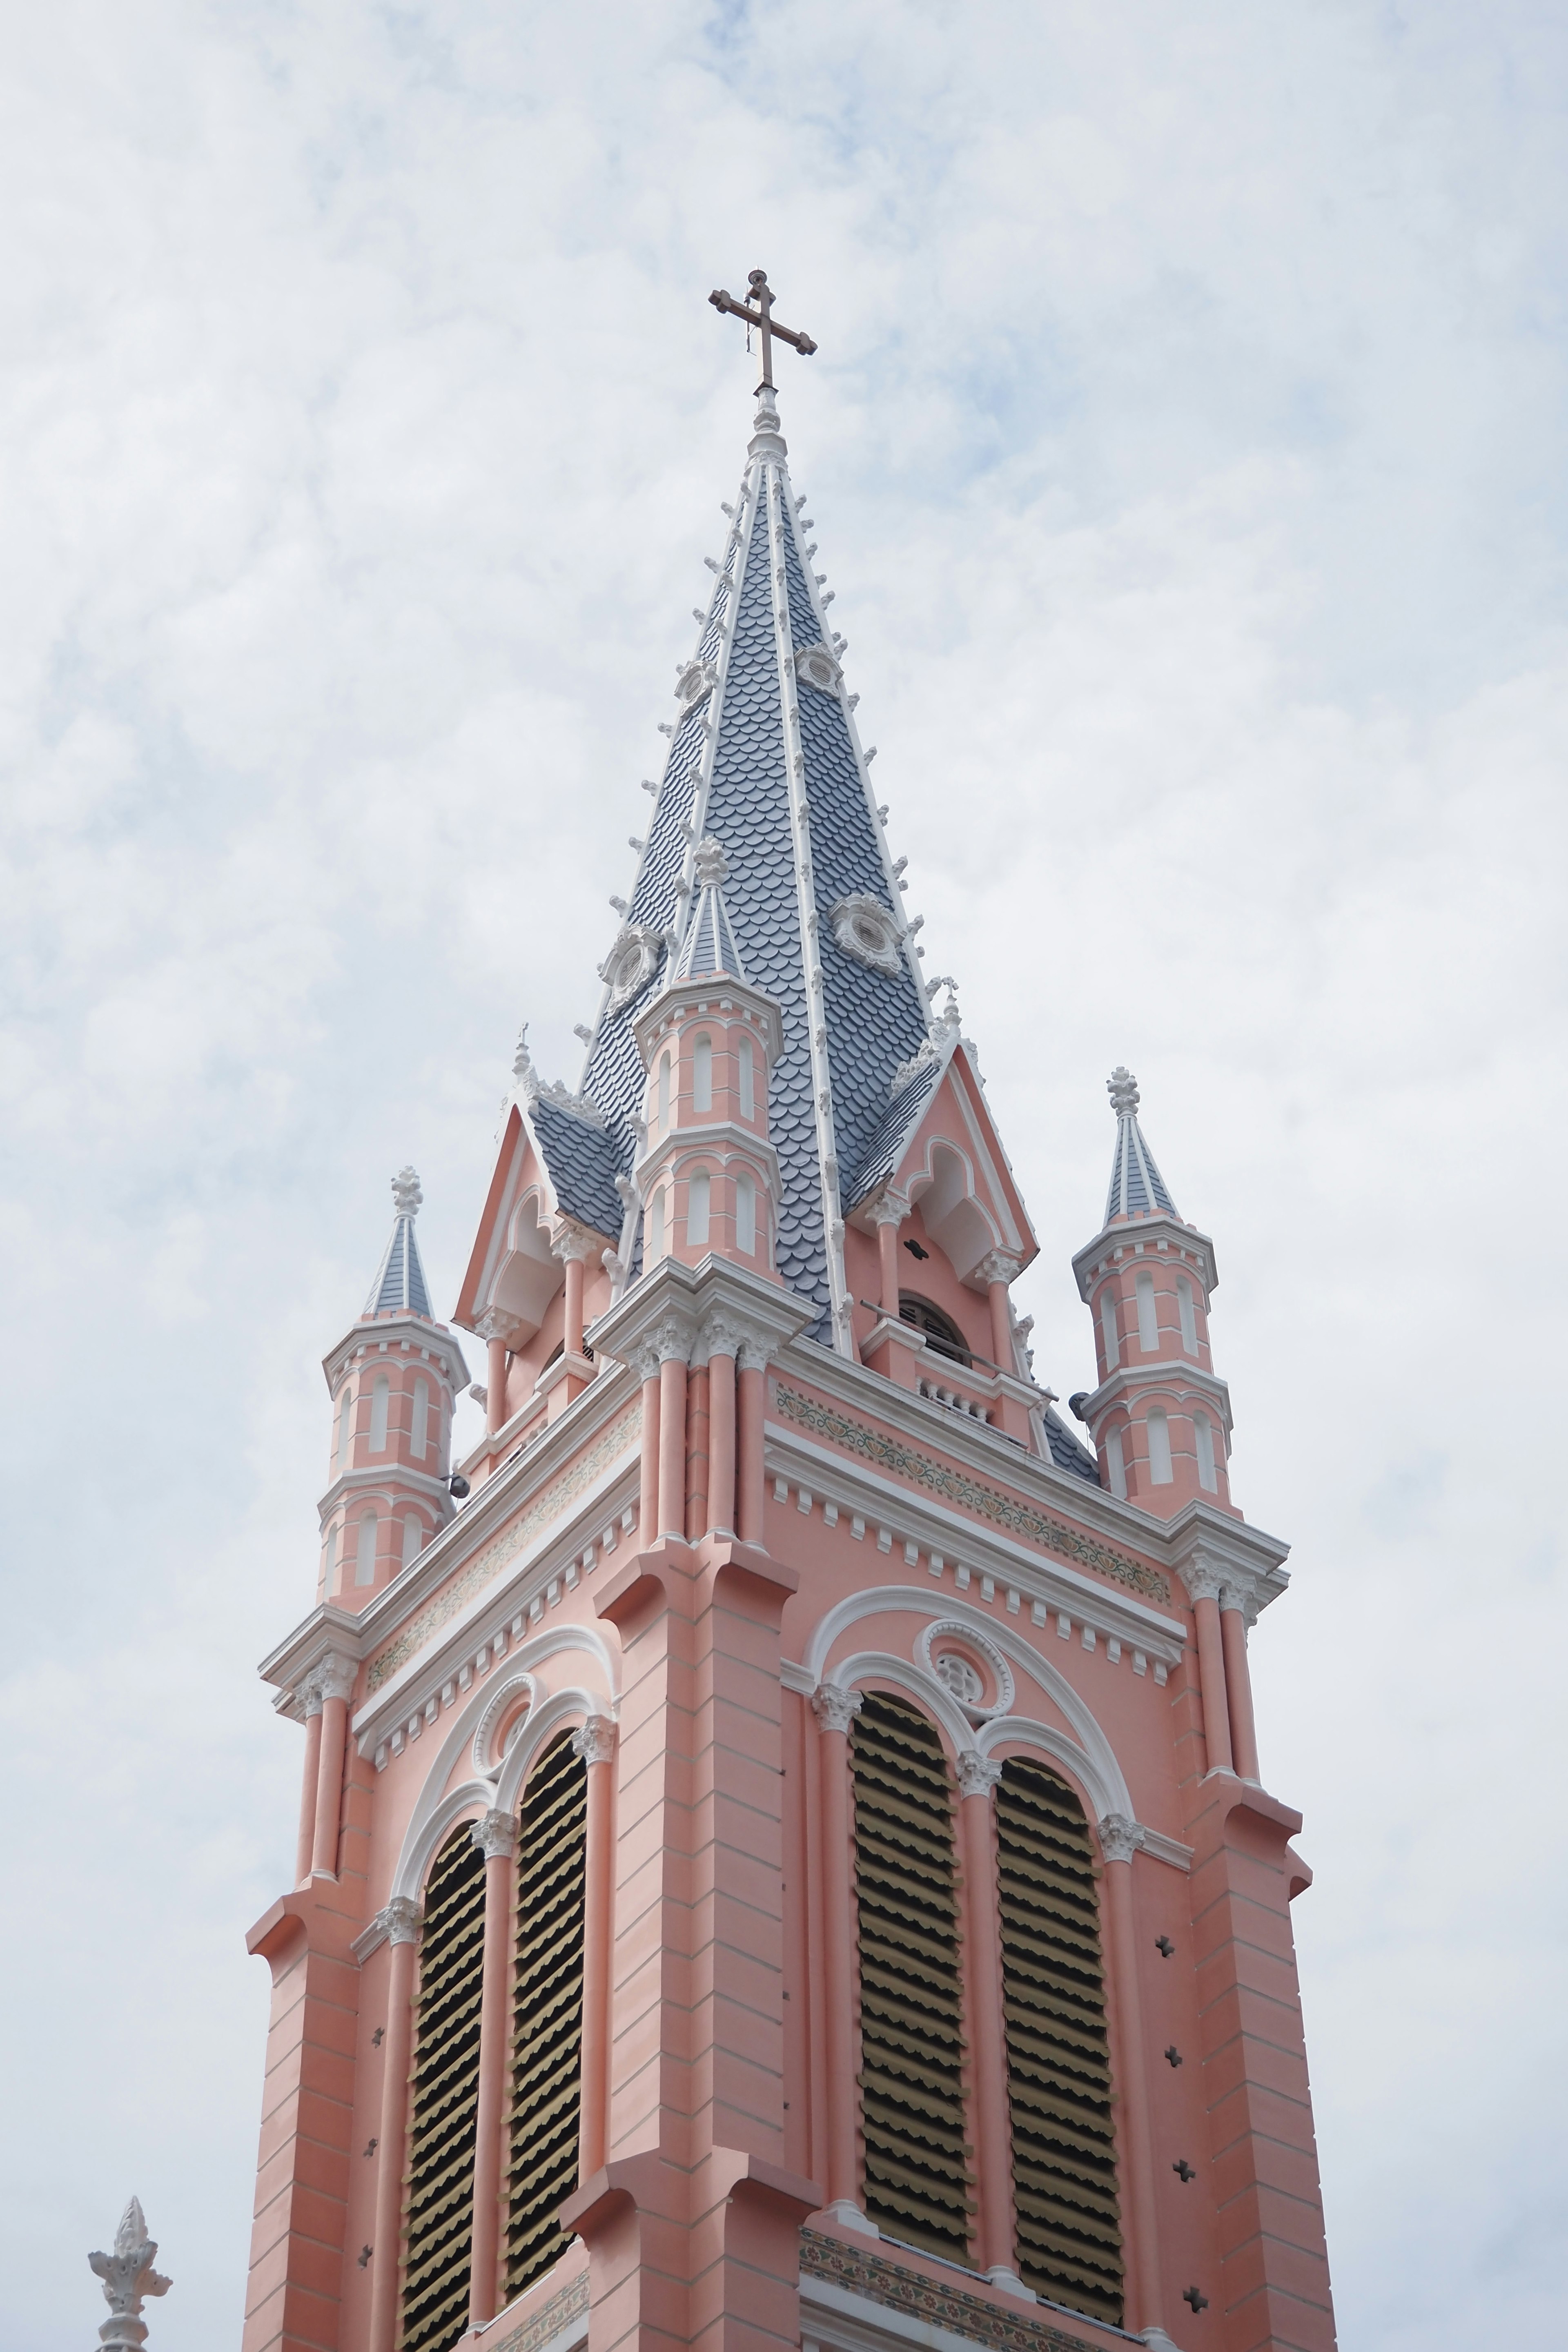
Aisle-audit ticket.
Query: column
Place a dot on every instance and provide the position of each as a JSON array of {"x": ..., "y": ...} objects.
[
  {"x": 1233, "y": 1624},
  {"x": 646, "y": 1364},
  {"x": 672, "y": 1520},
  {"x": 573, "y": 1249},
  {"x": 697, "y": 1461},
  {"x": 888, "y": 1215},
  {"x": 1000, "y": 1273},
  {"x": 335, "y": 1677},
  {"x": 1203, "y": 1589},
  {"x": 1120, "y": 1840},
  {"x": 493, "y": 1331},
  {"x": 751, "y": 1386},
  {"x": 977, "y": 1776},
  {"x": 496, "y": 1836},
  {"x": 836, "y": 1709},
  {"x": 400, "y": 1920},
  {"x": 595, "y": 1743},
  {"x": 310, "y": 1693},
  {"x": 722, "y": 1433}
]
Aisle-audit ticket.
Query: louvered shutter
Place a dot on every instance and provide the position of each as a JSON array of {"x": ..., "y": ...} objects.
[
  {"x": 547, "y": 2013},
  {"x": 911, "y": 2009},
  {"x": 1058, "y": 2066},
  {"x": 440, "y": 2186}
]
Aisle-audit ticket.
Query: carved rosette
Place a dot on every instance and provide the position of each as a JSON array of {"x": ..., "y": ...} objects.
[
  {"x": 835, "y": 1707},
  {"x": 1120, "y": 1839},
  {"x": 977, "y": 1774},
  {"x": 594, "y": 1741}
]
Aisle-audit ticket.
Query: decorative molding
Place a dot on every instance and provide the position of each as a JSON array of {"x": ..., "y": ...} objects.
[
  {"x": 496, "y": 1835},
  {"x": 596, "y": 1741},
  {"x": 836, "y": 1708},
  {"x": 867, "y": 931},
  {"x": 929, "y": 1053},
  {"x": 970, "y": 1495},
  {"x": 879, "y": 2280},
  {"x": 127, "y": 2278},
  {"x": 553, "y": 2318},
  {"x": 1120, "y": 1839},
  {"x": 632, "y": 961},
  {"x": 501, "y": 1699},
  {"x": 977, "y": 1774}
]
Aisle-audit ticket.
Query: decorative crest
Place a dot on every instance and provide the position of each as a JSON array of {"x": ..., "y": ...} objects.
[
  {"x": 1122, "y": 1088},
  {"x": 127, "y": 2279},
  {"x": 712, "y": 868},
  {"x": 406, "y": 1197},
  {"x": 761, "y": 318}
]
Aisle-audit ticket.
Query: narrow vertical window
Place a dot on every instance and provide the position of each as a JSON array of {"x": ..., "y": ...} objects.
[
  {"x": 702, "y": 1075},
  {"x": 747, "y": 1063},
  {"x": 1184, "y": 1310},
  {"x": 364, "y": 1565},
  {"x": 696, "y": 1192},
  {"x": 663, "y": 1093},
  {"x": 1116, "y": 1463},
  {"x": 547, "y": 2013},
  {"x": 1148, "y": 1316},
  {"x": 1108, "y": 1328},
  {"x": 445, "y": 2102},
  {"x": 346, "y": 1421},
  {"x": 380, "y": 1399},
  {"x": 331, "y": 1557},
  {"x": 911, "y": 2020},
  {"x": 1159, "y": 1429},
  {"x": 1058, "y": 2065},
  {"x": 745, "y": 1215},
  {"x": 419, "y": 1442},
  {"x": 656, "y": 1226},
  {"x": 412, "y": 1536},
  {"x": 1202, "y": 1437}
]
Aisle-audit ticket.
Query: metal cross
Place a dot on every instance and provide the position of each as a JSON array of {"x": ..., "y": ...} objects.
[{"x": 763, "y": 317}]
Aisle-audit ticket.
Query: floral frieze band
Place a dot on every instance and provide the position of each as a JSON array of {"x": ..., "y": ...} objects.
[
  {"x": 487, "y": 1565},
  {"x": 552, "y": 2318},
  {"x": 970, "y": 1495},
  {"x": 880, "y": 2281}
]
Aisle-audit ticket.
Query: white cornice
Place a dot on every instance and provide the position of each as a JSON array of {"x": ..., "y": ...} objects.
[
  {"x": 326, "y": 1628},
  {"x": 1164, "y": 1372},
  {"x": 1158, "y": 1236},
  {"x": 378, "y": 1335},
  {"x": 393, "y": 1473}
]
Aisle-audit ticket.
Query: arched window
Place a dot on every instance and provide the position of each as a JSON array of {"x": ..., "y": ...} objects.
[
  {"x": 747, "y": 1066},
  {"x": 1116, "y": 1462},
  {"x": 1108, "y": 1328},
  {"x": 420, "y": 1440},
  {"x": 547, "y": 2012},
  {"x": 332, "y": 1555},
  {"x": 412, "y": 1536},
  {"x": 1159, "y": 1429},
  {"x": 745, "y": 1216},
  {"x": 1203, "y": 1439},
  {"x": 1189, "y": 1319},
  {"x": 365, "y": 1564},
  {"x": 346, "y": 1421},
  {"x": 1058, "y": 2065},
  {"x": 1148, "y": 1312},
  {"x": 943, "y": 1334},
  {"x": 445, "y": 2099},
  {"x": 702, "y": 1075},
  {"x": 912, "y": 2008},
  {"x": 663, "y": 1092},
  {"x": 697, "y": 1195},
  {"x": 380, "y": 1400},
  {"x": 656, "y": 1228}
]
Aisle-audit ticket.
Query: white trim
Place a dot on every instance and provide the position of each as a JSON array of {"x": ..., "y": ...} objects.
[{"x": 536, "y": 1728}]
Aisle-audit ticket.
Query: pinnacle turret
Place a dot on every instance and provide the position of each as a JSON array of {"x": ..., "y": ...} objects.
[
  {"x": 1137, "y": 1187},
  {"x": 400, "y": 1287}
]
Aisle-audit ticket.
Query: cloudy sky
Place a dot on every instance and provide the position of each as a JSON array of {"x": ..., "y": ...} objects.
[{"x": 1187, "y": 447}]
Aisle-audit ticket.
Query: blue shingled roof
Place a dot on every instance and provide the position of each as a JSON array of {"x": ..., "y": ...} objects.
[
  {"x": 399, "y": 1286},
  {"x": 1137, "y": 1187},
  {"x": 1068, "y": 1452},
  {"x": 583, "y": 1162},
  {"x": 709, "y": 942},
  {"x": 885, "y": 1145}
]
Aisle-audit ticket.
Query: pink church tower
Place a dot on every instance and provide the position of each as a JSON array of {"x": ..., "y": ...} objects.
[{"x": 785, "y": 1862}]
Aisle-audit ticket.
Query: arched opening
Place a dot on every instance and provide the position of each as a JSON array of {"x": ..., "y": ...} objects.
[
  {"x": 380, "y": 1404},
  {"x": 911, "y": 1998},
  {"x": 1058, "y": 2061},
  {"x": 941, "y": 1333},
  {"x": 702, "y": 1075},
  {"x": 547, "y": 2012},
  {"x": 444, "y": 2100}
]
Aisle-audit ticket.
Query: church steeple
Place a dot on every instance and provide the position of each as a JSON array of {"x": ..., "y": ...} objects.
[{"x": 399, "y": 1286}]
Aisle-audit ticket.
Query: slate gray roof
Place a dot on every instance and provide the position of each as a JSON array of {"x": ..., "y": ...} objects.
[
  {"x": 1068, "y": 1452},
  {"x": 399, "y": 1285},
  {"x": 709, "y": 942},
  {"x": 1137, "y": 1187},
  {"x": 884, "y": 1146},
  {"x": 582, "y": 1163}
]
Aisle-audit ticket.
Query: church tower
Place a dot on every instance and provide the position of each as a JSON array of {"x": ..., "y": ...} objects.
[{"x": 782, "y": 1854}]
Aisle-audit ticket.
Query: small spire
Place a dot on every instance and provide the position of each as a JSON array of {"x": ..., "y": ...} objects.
[
  {"x": 709, "y": 942},
  {"x": 399, "y": 1287},
  {"x": 1137, "y": 1187}
]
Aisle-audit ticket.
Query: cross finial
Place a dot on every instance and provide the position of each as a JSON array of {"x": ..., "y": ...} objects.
[
  {"x": 761, "y": 316},
  {"x": 712, "y": 865},
  {"x": 1122, "y": 1088},
  {"x": 405, "y": 1193}
]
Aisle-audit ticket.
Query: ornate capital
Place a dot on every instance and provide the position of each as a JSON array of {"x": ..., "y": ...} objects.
[
  {"x": 1120, "y": 1839},
  {"x": 720, "y": 1336},
  {"x": 401, "y": 1920},
  {"x": 596, "y": 1741},
  {"x": 333, "y": 1677},
  {"x": 670, "y": 1342},
  {"x": 886, "y": 1208},
  {"x": 997, "y": 1266},
  {"x": 1201, "y": 1578},
  {"x": 977, "y": 1775},
  {"x": 835, "y": 1707},
  {"x": 755, "y": 1355},
  {"x": 1238, "y": 1596},
  {"x": 493, "y": 1325},
  {"x": 309, "y": 1697},
  {"x": 128, "y": 2277},
  {"x": 570, "y": 1242},
  {"x": 496, "y": 1835}
]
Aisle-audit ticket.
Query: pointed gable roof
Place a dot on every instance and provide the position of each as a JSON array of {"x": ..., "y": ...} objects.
[
  {"x": 710, "y": 943},
  {"x": 400, "y": 1287},
  {"x": 1137, "y": 1187}
]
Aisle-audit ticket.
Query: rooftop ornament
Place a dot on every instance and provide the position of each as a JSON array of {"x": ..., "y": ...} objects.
[
  {"x": 127, "y": 2279},
  {"x": 761, "y": 317}
]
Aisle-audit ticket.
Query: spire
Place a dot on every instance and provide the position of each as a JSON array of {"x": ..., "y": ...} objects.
[
  {"x": 710, "y": 943},
  {"x": 1137, "y": 1187},
  {"x": 399, "y": 1286}
]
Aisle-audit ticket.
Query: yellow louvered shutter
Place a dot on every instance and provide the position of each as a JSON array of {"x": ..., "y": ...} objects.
[
  {"x": 547, "y": 2013},
  {"x": 1058, "y": 2065},
  {"x": 440, "y": 2187},
  {"x": 911, "y": 2007}
]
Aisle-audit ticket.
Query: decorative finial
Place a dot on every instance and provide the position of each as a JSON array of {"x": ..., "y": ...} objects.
[
  {"x": 127, "y": 2279},
  {"x": 525, "y": 1077},
  {"x": 711, "y": 863},
  {"x": 1122, "y": 1088},
  {"x": 405, "y": 1193}
]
